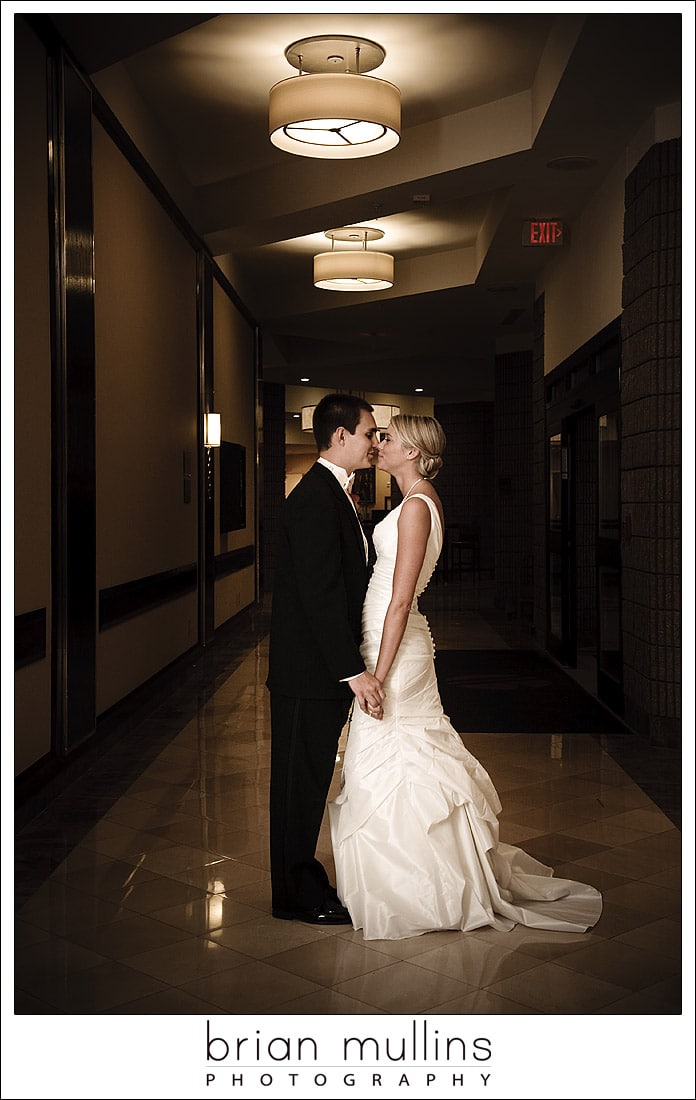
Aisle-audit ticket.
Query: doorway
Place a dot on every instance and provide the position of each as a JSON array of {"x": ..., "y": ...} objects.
[
  {"x": 583, "y": 504},
  {"x": 583, "y": 555}
]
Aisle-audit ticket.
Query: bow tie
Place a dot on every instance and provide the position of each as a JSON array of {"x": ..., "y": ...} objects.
[{"x": 349, "y": 483}]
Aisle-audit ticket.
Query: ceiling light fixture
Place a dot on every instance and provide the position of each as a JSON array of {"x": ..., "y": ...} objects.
[
  {"x": 382, "y": 414},
  {"x": 353, "y": 268},
  {"x": 360, "y": 115}
]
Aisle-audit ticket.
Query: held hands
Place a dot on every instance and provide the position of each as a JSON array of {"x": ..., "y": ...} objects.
[{"x": 369, "y": 694}]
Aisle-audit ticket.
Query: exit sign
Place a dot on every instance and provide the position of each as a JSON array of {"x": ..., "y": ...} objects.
[{"x": 543, "y": 231}]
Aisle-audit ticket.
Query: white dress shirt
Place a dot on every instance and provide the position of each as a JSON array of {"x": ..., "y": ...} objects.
[{"x": 345, "y": 480}]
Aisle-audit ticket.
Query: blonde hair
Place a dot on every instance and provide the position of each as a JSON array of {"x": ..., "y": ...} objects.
[{"x": 426, "y": 435}]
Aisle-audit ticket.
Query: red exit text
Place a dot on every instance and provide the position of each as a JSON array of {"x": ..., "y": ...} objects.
[{"x": 546, "y": 232}]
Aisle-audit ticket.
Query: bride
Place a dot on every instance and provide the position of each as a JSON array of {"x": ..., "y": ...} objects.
[{"x": 415, "y": 826}]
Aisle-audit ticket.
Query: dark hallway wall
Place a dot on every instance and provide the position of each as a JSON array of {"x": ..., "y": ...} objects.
[
  {"x": 273, "y": 476},
  {"x": 114, "y": 346},
  {"x": 514, "y": 556},
  {"x": 650, "y": 443},
  {"x": 32, "y": 405},
  {"x": 466, "y": 482},
  {"x": 539, "y": 478}
]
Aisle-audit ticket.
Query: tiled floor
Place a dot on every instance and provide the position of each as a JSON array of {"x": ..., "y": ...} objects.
[{"x": 143, "y": 888}]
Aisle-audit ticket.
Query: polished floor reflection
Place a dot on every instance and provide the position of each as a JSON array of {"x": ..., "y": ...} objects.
[{"x": 143, "y": 888}]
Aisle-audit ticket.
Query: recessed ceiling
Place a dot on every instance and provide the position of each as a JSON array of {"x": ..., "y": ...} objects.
[{"x": 488, "y": 101}]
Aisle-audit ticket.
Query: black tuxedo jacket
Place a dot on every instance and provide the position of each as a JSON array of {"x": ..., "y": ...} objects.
[{"x": 319, "y": 587}]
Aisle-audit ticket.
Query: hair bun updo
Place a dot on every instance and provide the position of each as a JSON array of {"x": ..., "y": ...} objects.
[
  {"x": 428, "y": 466},
  {"x": 426, "y": 435}
]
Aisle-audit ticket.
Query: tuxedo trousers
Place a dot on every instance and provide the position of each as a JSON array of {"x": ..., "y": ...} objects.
[{"x": 304, "y": 742}]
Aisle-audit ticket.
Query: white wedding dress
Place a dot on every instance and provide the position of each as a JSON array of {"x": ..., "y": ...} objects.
[{"x": 415, "y": 827}]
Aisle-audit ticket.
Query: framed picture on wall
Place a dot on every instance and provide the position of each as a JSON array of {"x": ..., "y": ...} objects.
[
  {"x": 232, "y": 486},
  {"x": 364, "y": 485}
]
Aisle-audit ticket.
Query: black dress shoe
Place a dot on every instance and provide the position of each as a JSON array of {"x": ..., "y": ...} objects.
[{"x": 329, "y": 912}]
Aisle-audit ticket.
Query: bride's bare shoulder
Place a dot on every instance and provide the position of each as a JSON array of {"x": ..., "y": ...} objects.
[
  {"x": 428, "y": 491},
  {"x": 435, "y": 497}
]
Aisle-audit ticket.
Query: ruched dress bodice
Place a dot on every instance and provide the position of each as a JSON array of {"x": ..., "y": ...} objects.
[
  {"x": 411, "y": 685},
  {"x": 415, "y": 825},
  {"x": 386, "y": 542}
]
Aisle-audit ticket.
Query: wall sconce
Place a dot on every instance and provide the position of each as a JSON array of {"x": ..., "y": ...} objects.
[
  {"x": 329, "y": 111},
  {"x": 213, "y": 429},
  {"x": 353, "y": 268},
  {"x": 307, "y": 414}
]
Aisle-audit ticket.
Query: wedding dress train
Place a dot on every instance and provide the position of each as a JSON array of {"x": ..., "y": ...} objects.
[{"x": 415, "y": 826}]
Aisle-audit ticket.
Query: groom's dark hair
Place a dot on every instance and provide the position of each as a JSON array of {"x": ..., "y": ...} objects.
[{"x": 337, "y": 410}]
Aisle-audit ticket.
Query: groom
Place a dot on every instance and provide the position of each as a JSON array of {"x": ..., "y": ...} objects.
[{"x": 315, "y": 667}]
